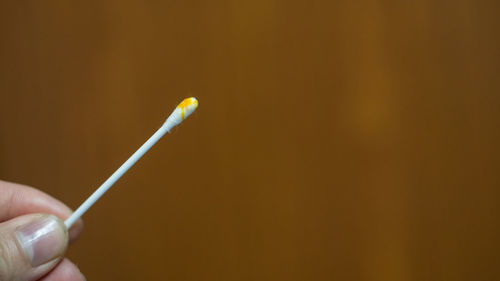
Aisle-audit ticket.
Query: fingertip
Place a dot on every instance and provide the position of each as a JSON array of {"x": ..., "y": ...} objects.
[
  {"x": 75, "y": 230},
  {"x": 65, "y": 270},
  {"x": 18, "y": 199}
]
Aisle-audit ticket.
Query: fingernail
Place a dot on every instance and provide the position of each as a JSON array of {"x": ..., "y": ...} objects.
[{"x": 42, "y": 240}]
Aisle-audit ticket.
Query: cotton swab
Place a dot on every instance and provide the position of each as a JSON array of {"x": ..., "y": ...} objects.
[{"x": 181, "y": 112}]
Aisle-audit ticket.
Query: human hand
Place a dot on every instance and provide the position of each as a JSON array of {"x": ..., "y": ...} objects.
[{"x": 33, "y": 237}]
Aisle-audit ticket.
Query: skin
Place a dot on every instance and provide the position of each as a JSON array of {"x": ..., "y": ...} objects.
[{"x": 18, "y": 200}]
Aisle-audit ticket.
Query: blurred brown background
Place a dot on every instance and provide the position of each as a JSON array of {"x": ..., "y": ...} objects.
[{"x": 349, "y": 140}]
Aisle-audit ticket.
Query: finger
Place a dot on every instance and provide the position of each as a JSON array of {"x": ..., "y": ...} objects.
[
  {"x": 30, "y": 246},
  {"x": 64, "y": 271},
  {"x": 17, "y": 200}
]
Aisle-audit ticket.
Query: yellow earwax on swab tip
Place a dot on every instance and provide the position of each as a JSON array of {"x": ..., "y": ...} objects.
[
  {"x": 187, "y": 107},
  {"x": 181, "y": 112}
]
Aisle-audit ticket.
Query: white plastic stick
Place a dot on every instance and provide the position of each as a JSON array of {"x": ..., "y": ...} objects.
[{"x": 181, "y": 112}]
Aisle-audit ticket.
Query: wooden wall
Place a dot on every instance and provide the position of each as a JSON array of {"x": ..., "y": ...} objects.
[{"x": 335, "y": 140}]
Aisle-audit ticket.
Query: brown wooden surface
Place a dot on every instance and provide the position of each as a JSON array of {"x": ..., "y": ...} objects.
[{"x": 335, "y": 140}]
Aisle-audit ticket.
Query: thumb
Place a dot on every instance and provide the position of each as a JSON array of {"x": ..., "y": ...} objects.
[{"x": 30, "y": 246}]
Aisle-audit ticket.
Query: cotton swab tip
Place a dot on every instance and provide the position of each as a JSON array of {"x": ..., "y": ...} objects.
[
  {"x": 181, "y": 112},
  {"x": 187, "y": 107}
]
